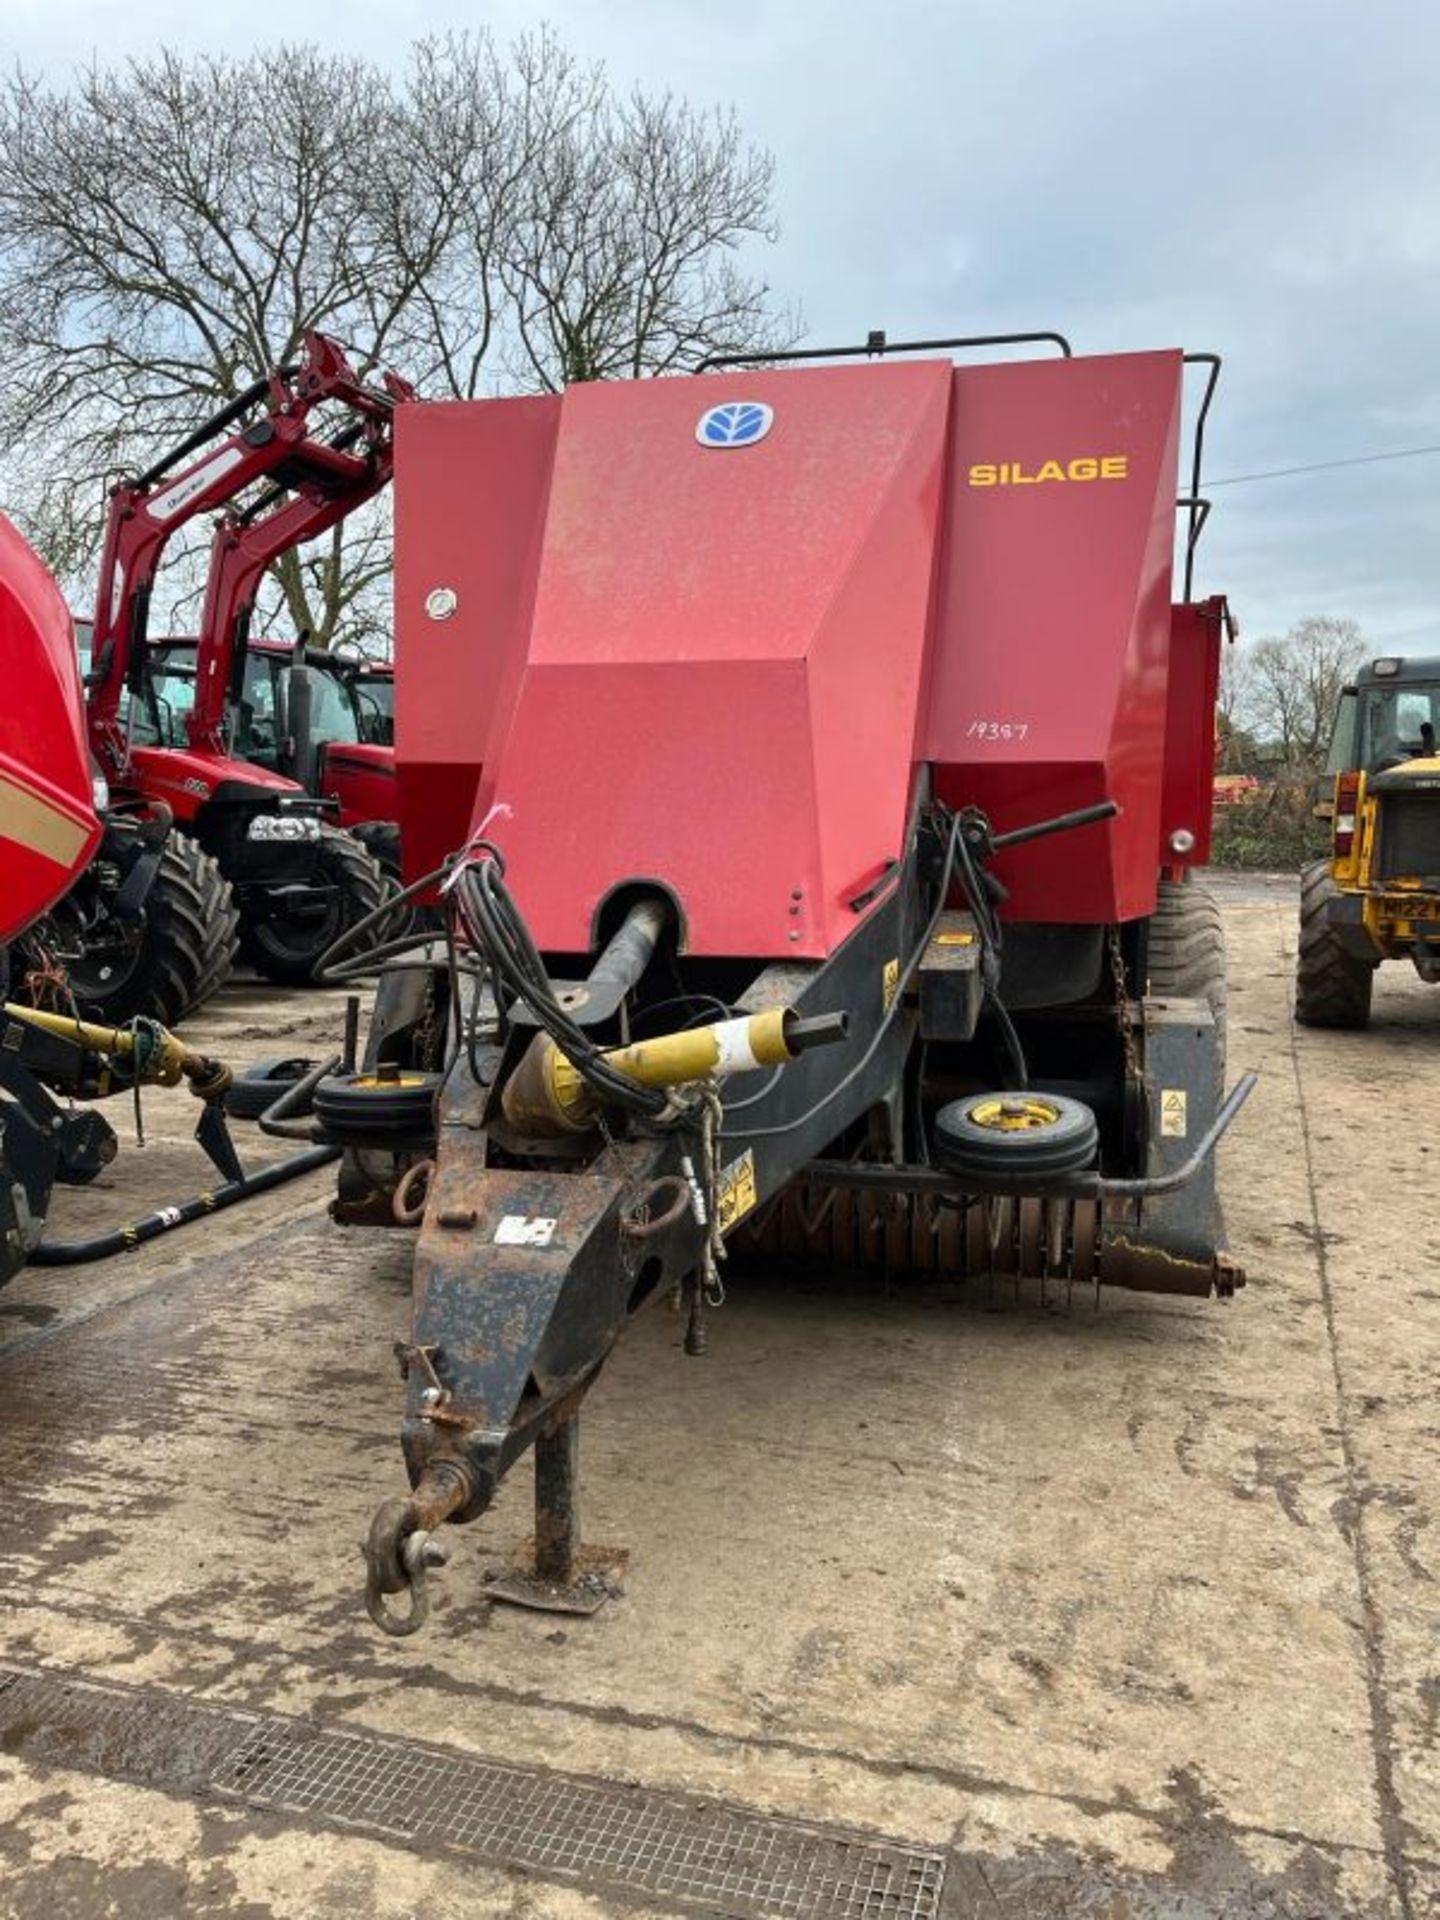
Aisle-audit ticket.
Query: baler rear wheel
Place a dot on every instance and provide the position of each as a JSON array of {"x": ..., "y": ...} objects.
[
  {"x": 1332, "y": 987},
  {"x": 1187, "y": 951}
]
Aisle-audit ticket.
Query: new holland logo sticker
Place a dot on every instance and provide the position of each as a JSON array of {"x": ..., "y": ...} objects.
[{"x": 738, "y": 423}]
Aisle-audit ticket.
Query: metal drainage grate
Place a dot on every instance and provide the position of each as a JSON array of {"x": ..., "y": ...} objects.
[
  {"x": 573, "y": 1828},
  {"x": 66, "y": 1720},
  {"x": 518, "y": 1817}
]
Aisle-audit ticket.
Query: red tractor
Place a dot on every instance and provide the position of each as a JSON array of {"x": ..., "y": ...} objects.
[
  {"x": 337, "y": 740},
  {"x": 299, "y": 879}
]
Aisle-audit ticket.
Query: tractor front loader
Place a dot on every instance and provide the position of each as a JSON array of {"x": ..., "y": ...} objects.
[
  {"x": 298, "y": 881},
  {"x": 816, "y": 761}
]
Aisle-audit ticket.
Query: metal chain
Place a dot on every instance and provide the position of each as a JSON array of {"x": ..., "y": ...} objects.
[
  {"x": 711, "y": 1117},
  {"x": 427, "y": 1021},
  {"x": 1122, "y": 1008}
]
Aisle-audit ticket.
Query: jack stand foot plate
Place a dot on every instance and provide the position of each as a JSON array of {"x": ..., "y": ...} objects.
[{"x": 596, "y": 1578}]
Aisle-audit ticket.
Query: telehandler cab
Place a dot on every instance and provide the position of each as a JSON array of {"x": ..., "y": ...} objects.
[{"x": 1376, "y": 894}]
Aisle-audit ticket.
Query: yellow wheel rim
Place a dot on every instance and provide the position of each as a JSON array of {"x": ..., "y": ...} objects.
[
  {"x": 1013, "y": 1113},
  {"x": 372, "y": 1082}
]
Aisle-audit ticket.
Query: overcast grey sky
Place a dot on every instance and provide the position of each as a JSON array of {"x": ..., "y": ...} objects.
[{"x": 1260, "y": 177}]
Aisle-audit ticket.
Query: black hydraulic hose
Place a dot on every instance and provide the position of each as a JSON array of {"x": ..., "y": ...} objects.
[
  {"x": 277, "y": 1117},
  {"x": 74, "y": 1253},
  {"x": 334, "y": 968}
]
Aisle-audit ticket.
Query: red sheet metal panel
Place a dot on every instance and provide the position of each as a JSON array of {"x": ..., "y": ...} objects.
[
  {"x": 1053, "y": 624},
  {"x": 48, "y": 828},
  {"x": 631, "y": 653},
  {"x": 720, "y": 683},
  {"x": 1188, "y": 802},
  {"x": 472, "y": 480}
]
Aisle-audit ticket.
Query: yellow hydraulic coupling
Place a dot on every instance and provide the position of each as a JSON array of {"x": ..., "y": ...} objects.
[{"x": 546, "y": 1094}]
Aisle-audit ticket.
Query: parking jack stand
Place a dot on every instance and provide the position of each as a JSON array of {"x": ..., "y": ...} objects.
[{"x": 554, "y": 1573}]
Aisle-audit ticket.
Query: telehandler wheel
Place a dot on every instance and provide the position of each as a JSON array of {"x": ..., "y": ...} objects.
[
  {"x": 1187, "y": 951},
  {"x": 182, "y": 952},
  {"x": 1332, "y": 987},
  {"x": 290, "y": 949},
  {"x": 1008, "y": 1142}
]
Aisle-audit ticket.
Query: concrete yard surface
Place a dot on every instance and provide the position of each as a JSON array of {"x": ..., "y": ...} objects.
[{"x": 934, "y": 1604}]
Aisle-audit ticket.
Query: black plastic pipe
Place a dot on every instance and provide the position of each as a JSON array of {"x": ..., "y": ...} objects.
[{"x": 74, "y": 1253}]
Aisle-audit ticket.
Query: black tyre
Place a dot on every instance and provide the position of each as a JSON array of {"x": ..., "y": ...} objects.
[
  {"x": 378, "y": 1108},
  {"x": 1187, "y": 951},
  {"x": 381, "y": 838},
  {"x": 181, "y": 952},
  {"x": 256, "y": 1088},
  {"x": 1014, "y": 1142},
  {"x": 289, "y": 948},
  {"x": 1332, "y": 987}
]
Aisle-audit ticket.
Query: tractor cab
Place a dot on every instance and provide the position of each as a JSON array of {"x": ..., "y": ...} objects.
[
  {"x": 372, "y": 688},
  {"x": 1376, "y": 895},
  {"x": 1388, "y": 718}
]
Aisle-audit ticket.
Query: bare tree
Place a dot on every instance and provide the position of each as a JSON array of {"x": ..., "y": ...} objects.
[
  {"x": 1232, "y": 705},
  {"x": 620, "y": 259},
  {"x": 1291, "y": 687},
  {"x": 488, "y": 219}
]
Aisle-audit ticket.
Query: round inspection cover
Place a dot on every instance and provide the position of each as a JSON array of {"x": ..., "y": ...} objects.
[{"x": 1007, "y": 1142}]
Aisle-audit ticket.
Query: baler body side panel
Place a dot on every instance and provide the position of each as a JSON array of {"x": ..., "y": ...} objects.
[
  {"x": 471, "y": 483},
  {"x": 1053, "y": 625},
  {"x": 721, "y": 683}
]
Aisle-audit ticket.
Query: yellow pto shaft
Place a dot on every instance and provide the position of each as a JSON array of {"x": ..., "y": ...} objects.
[
  {"x": 164, "y": 1059},
  {"x": 546, "y": 1094}
]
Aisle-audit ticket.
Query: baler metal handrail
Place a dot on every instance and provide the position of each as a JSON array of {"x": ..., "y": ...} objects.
[
  {"x": 1157, "y": 1183},
  {"x": 1199, "y": 505},
  {"x": 1081, "y": 1186},
  {"x": 878, "y": 346},
  {"x": 1194, "y": 499}
]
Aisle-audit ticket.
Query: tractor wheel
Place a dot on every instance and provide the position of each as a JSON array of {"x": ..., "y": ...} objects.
[
  {"x": 1332, "y": 987},
  {"x": 381, "y": 838},
  {"x": 1187, "y": 952},
  {"x": 183, "y": 950},
  {"x": 290, "y": 949}
]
